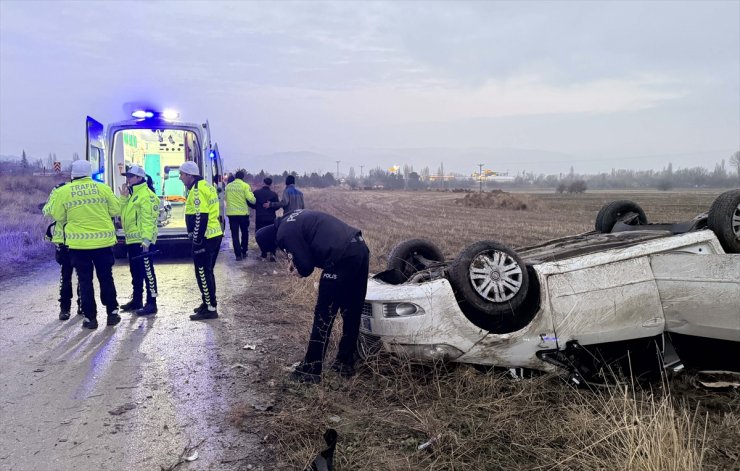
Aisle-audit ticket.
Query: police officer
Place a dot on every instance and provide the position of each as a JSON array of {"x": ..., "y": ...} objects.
[
  {"x": 313, "y": 239},
  {"x": 238, "y": 194},
  {"x": 204, "y": 229},
  {"x": 55, "y": 234},
  {"x": 85, "y": 208},
  {"x": 139, "y": 215}
]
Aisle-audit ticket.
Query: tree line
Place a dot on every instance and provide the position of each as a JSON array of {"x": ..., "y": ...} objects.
[{"x": 723, "y": 175}]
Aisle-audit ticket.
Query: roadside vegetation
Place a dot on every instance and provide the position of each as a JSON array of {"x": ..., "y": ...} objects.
[
  {"x": 22, "y": 243},
  {"x": 398, "y": 415}
]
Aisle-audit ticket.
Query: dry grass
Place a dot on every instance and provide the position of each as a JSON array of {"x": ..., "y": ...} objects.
[
  {"x": 486, "y": 420},
  {"x": 22, "y": 231}
]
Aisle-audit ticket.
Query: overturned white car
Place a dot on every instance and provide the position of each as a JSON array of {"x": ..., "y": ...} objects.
[{"x": 607, "y": 297}]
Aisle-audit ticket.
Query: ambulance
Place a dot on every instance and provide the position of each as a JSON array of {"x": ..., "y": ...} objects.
[{"x": 160, "y": 144}]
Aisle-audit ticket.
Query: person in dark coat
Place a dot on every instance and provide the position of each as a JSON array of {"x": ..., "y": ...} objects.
[
  {"x": 313, "y": 239},
  {"x": 265, "y": 216}
]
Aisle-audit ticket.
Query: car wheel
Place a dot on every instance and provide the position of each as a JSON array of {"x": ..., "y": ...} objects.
[
  {"x": 615, "y": 211},
  {"x": 489, "y": 279},
  {"x": 413, "y": 255},
  {"x": 724, "y": 220}
]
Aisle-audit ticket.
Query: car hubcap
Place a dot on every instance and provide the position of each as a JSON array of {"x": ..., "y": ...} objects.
[
  {"x": 496, "y": 276},
  {"x": 736, "y": 222}
]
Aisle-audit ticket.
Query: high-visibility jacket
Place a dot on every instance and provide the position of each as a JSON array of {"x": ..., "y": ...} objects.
[
  {"x": 202, "y": 211},
  {"x": 139, "y": 214},
  {"x": 84, "y": 209},
  {"x": 238, "y": 193},
  {"x": 57, "y": 230}
]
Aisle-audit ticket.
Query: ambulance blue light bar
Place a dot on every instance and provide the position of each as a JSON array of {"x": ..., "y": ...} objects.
[
  {"x": 142, "y": 114},
  {"x": 168, "y": 114},
  {"x": 212, "y": 154},
  {"x": 99, "y": 177}
]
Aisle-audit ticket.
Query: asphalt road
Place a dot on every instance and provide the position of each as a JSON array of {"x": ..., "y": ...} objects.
[{"x": 129, "y": 397}]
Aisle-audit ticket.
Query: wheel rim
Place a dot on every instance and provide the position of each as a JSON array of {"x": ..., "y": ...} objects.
[
  {"x": 736, "y": 222},
  {"x": 495, "y": 276}
]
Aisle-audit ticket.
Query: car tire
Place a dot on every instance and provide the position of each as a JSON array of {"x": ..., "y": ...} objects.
[
  {"x": 413, "y": 255},
  {"x": 489, "y": 280},
  {"x": 724, "y": 220},
  {"x": 612, "y": 212}
]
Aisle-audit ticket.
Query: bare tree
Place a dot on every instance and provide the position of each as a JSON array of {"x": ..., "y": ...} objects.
[{"x": 735, "y": 162}]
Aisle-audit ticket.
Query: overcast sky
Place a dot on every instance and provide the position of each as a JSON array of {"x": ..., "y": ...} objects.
[{"x": 591, "y": 84}]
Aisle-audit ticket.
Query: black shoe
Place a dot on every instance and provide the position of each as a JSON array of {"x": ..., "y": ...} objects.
[
  {"x": 200, "y": 308},
  {"x": 150, "y": 308},
  {"x": 90, "y": 324},
  {"x": 113, "y": 317},
  {"x": 298, "y": 376},
  {"x": 131, "y": 306},
  {"x": 344, "y": 370},
  {"x": 239, "y": 257},
  {"x": 272, "y": 258},
  {"x": 204, "y": 314},
  {"x": 79, "y": 311},
  {"x": 64, "y": 314}
]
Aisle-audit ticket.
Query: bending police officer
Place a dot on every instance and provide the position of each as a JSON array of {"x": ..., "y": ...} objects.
[
  {"x": 204, "y": 229},
  {"x": 313, "y": 239},
  {"x": 139, "y": 215}
]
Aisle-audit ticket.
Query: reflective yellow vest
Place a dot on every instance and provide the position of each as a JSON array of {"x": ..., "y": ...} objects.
[
  {"x": 203, "y": 199},
  {"x": 57, "y": 236},
  {"x": 139, "y": 214},
  {"x": 238, "y": 193},
  {"x": 84, "y": 209}
]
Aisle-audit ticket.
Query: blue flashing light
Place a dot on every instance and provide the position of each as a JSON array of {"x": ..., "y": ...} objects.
[
  {"x": 212, "y": 154},
  {"x": 99, "y": 177},
  {"x": 142, "y": 114}
]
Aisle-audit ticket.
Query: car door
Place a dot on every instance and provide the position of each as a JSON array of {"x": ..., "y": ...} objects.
[
  {"x": 700, "y": 294},
  {"x": 95, "y": 149},
  {"x": 218, "y": 181}
]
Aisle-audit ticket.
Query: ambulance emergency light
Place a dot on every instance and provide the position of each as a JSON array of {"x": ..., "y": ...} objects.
[{"x": 168, "y": 114}]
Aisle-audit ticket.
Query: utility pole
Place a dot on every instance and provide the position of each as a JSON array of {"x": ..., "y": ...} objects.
[
  {"x": 480, "y": 178},
  {"x": 338, "y": 169}
]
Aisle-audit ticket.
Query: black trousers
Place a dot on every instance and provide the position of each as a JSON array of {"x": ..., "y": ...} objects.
[
  {"x": 141, "y": 267},
  {"x": 259, "y": 224},
  {"x": 343, "y": 287},
  {"x": 65, "y": 278},
  {"x": 101, "y": 261},
  {"x": 239, "y": 224},
  {"x": 204, "y": 259}
]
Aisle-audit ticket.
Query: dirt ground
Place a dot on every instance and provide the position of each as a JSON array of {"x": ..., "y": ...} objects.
[{"x": 148, "y": 392}]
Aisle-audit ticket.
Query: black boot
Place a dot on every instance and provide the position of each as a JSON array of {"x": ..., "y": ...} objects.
[
  {"x": 113, "y": 317},
  {"x": 132, "y": 305},
  {"x": 204, "y": 314},
  {"x": 64, "y": 314},
  {"x": 90, "y": 324},
  {"x": 200, "y": 308},
  {"x": 150, "y": 308}
]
